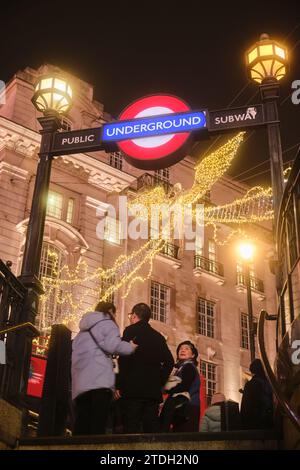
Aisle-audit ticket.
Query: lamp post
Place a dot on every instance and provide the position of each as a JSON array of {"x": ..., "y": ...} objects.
[
  {"x": 246, "y": 251},
  {"x": 52, "y": 97},
  {"x": 267, "y": 65}
]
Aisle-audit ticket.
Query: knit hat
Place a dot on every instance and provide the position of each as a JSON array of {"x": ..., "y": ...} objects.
[
  {"x": 217, "y": 398},
  {"x": 191, "y": 345}
]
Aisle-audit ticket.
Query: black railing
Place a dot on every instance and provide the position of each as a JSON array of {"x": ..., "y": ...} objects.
[
  {"x": 150, "y": 181},
  {"x": 255, "y": 283},
  {"x": 284, "y": 381},
  {"x": 12, "y": 299},
  {"x": 171, "y": 250},
  {"x": 209, "y": 265},
  {"x": 284, "y": 377},
  {"x": 288, "y": 242}
]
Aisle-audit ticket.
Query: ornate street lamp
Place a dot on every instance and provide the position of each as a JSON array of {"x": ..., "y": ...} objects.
[
  {"x": 267, "y": 64},
  {"x": 52, "y": 97},
  {"x": 246, "y": 252},
  {"x": 266, "y": 60}
]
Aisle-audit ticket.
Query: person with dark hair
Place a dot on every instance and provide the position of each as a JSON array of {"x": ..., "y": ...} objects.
[
  {"x": 142, "y": 375},
  {"x": 257, "y": 401},
  {"x": 181, "y": 409},
  {"x": 93, "y": 377}
]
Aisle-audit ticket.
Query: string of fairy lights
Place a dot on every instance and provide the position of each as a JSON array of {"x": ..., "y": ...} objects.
[{"x": 74, "y": 290}]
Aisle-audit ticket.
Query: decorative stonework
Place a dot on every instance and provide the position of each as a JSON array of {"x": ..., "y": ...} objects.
[
  {"x": 13, "y": 171},
  {"x": 61, "y": 234},
  {"x": 100, "y": 206},
  {"x": 18, "y": 138},
  {"x": 68, "y": 165},
  {"x": 107, "y": 182},
  {"x": 95, "y": 172}
]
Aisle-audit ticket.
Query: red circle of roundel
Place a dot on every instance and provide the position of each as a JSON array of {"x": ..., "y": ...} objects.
[{"x": 143, "y": 153}]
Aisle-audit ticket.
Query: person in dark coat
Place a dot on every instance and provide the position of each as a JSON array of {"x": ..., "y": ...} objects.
[
  {"x": 141, "y": 378},
  {"x": 181, "y": 410},
  {"x": 257, "y": 401}
]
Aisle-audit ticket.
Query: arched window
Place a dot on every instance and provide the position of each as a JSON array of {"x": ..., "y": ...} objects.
[{"x": 52, "y": 260}]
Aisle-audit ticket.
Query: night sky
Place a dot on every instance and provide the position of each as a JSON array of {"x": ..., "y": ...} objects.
[{"x": 194, "y": 50}]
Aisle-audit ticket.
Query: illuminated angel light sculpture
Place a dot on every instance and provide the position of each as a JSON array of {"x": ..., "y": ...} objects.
[{"x": 254, "y": 206}]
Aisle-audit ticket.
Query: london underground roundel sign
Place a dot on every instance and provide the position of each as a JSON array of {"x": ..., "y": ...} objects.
[{"x": 153, "y": 131}]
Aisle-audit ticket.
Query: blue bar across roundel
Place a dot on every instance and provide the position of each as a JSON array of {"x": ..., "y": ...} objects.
[{"x": 153, "y": 125}]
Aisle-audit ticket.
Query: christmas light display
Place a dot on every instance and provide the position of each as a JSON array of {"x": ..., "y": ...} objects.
[{"x": 72, "y": 288}]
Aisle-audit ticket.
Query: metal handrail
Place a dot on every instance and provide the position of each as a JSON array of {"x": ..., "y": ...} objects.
[
  {"x": 256, "y": 283},
  {"x": 171, "y": 250},
  {"x": 208, "y": 265},
  {"x": 269, "y": 372},
  {"x": 28, "y": 324}
]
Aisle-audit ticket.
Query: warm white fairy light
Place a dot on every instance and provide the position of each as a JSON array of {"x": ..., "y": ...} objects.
[{"x": 254, "y": 206}]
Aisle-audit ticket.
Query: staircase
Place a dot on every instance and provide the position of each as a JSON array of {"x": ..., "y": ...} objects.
[{"x": 232, "y": 440}]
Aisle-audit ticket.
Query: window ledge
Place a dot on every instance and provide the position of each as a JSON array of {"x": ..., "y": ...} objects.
[
  {"x": 210, "y": 338},
  {"x": 242, "y": 289},
  {"x": 175, "y": 263},
  {"x": 219, "y": 280}
]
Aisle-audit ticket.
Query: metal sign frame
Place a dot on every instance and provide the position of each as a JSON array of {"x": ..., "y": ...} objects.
[{"x": 90, "y": 140}]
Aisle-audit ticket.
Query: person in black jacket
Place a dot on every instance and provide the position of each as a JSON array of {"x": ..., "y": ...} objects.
[
  {"x": 257, "y": 401},
  {"x": 141, "y": 378},
  {"x": 181, "y": 409}
]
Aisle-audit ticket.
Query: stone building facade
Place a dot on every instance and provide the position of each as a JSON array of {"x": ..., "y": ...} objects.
[{"x": 203, "y": 300}]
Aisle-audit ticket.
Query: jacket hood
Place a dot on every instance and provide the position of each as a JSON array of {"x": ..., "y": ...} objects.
[
  {"x": 90, "y": 319},
  {"x": 214, "y": 413}
]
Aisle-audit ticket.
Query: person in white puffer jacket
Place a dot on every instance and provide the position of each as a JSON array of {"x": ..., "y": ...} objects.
[
  {"x": 211, "y": 421},
  {"x": 93, "y": 377}
]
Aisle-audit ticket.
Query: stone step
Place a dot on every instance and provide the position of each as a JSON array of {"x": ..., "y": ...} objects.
[{"x": 232, "y": 440}]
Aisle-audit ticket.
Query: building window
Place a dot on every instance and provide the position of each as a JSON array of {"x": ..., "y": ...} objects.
[
  {"x": 112, "y": 230},
  {"x": 61, "y": 205},
  {"x": 116, "y": 160},
  {"x": 162, "y": 175},
  {"x": 212, "y": 255},
  {"x": 70, "y": 211},
  {"x": 240, "y": 272},
  {"x": 160, "y": 295},
  {"x": 255, "y": 283},
  {"x": 106, "y": 283},
  {"x": 245, "y": 332},
  {"x": 55, "y": 205},
  {"x": 50, "y": 267},
  {"x": 206, "y": 317},
  {"x": 66, "y": 123},
  {"x": 209, "y": 371},
  {"x": 198, "y": 246}
]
